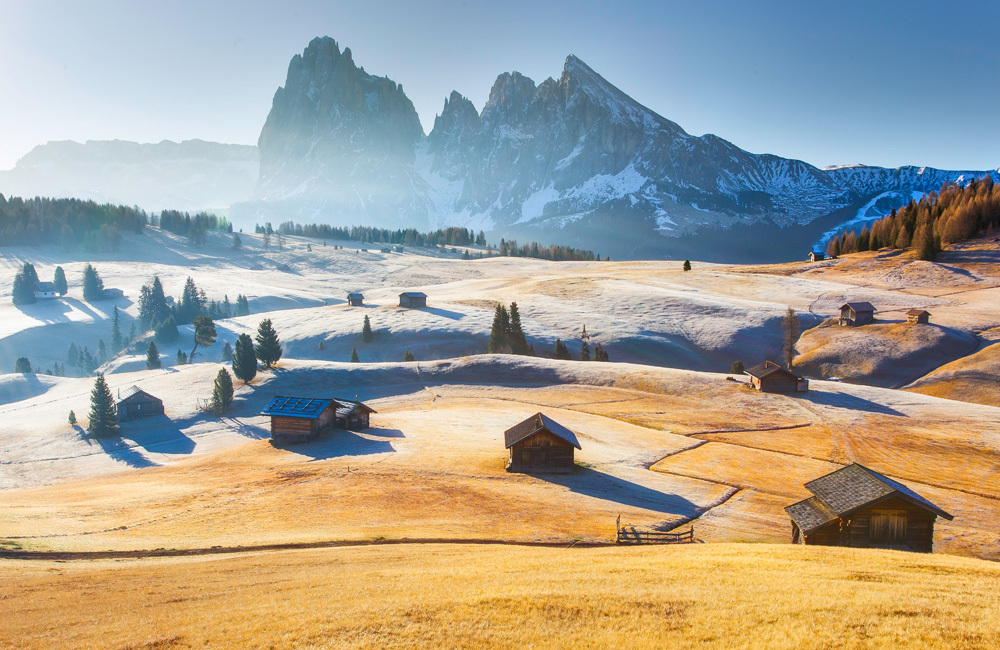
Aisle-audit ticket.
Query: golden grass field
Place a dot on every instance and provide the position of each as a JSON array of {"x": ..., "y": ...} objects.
[{"x": 464, "y": 596}]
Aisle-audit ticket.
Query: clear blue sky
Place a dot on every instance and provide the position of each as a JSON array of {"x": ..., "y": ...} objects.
[{"x": 886, "y": 83}]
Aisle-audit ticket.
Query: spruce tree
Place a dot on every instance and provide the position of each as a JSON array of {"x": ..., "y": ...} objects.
[
  {"x": 500, "y": 332},
  {"x": 116, "y": 332},
  {"x": 687, "y": 265},
  {"x": 153, "y": 357},
  {"x": 166, "y": 332},
  {"x": 790, "y": 328},
  {"x": 93, "y": 286},
  {"x": 408, "y": 356},
  {"x": 204, "y": 334},
  {"x": 268, "y": 348},
  {"x": 354, "y": 356},
  {"x": 73, "y": 356},
  {"x": 227, "y": 353},
  {"x": 181, "y": 357},
  {"x": 322, "y": 346},
  {"x": 737, "y": 368},
  {"x": 222, "y": 392},
  {"x": 23, "y": 290},
  {"x": 584, "y": 351},
  {"x": 244, "y": 360},
  {"x": 72, "y": 418},
  {"x": 561, "y": 351},
  {"x": 22, "y": 365},
  {"x": 59, "y": 279},
  {"x": 237, "y": 242},
  {"x": 600, "y": 354},
  {"x": 102, "y": 352},
  {"x": 518, "y": 341},
  {"x": 103, "y": 413},
  {"x": 366, "y": 331}
]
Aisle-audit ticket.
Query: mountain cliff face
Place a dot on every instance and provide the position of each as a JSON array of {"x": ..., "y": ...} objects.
[
  {"x": 573, "y": 160},
  {"x": 190, "y": 175}
]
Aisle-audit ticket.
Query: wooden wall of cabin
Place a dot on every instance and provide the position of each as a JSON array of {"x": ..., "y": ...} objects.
[
  {"x": 779, "y": 383},
  {"x": 284, "y": 425},
  {"x": 919, "y": 534},
  {"x": 543, "y": 451},
  {"x": 327, "y": 418}
]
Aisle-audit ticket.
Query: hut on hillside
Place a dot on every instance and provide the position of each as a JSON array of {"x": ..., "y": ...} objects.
[
  {"x": 133, "y": 402},
  {"x": 856, "y": 506},
  {"x": 45, "y": 290},
  {"x": 540, "y": 444},
  {"x": 113, "y": 293},
  {"x": 413, "y": 299},
  {"x": 856, "y": 314},
  {"x": 816, "y": 256},
  {"x": 769, "y": 377},
  {"x": 299, "y": 419},
  {"x": 918, "y": 316},
  {"x": 352, "y": 414},
  {"x": 355, "y": 299}
]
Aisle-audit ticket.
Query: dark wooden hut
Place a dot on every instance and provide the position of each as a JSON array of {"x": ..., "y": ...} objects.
[
  {"x": 769, "y": 377},
  {"x": 355, "y": 299},
  {"x": 413, "y": 299},
  {"x": 816, "y": 256},
  {"x": 352, "y": 414},
  {"x": 918, "y": 316},
  {"x": 299, "y": 419},
  {"x": 856, "y": 313},
  {"x": 856, "y": 506},
  {"x": 133, "y": 402},
  {"x": 540, "y": 444}
]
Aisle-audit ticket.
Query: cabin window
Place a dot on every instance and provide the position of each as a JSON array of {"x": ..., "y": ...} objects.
[{"x": 887, "y": 526}]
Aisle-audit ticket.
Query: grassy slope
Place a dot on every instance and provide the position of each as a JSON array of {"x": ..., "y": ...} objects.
[
  {"x": 714, "y": 596},
  {"x": 969, "y": 379}
]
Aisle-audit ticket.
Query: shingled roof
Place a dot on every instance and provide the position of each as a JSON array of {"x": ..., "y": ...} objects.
[
  {"x": 132, "y": 391},
  {"x": 296, "y": 407},
  {"x": 347, "y": 406},
  {"x": 859, "y": 306},
  {"x": 917, "y": 312},
  {"x": 534, "y": 424},
  {"x": 847, "y": 490},
  {"x": 414, "y": 294},
  {"x": 354, "y": 295},
  {"x": 767, "y": 368}
]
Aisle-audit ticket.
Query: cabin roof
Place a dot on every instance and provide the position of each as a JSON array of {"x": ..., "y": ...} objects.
[
  {"x": 297, "y": 407},
  {"x": 767, "y": 369},
  {"x": 917, "y": 312},
  {"x": 45, "y": 286},
  {"x": 132, "y": 391},
  {"x": 534, "y": 424},
  {"x": 859, "y": 306},
  {"x": 847, "y": 490},
  {"x": 347, "y": 406},
  {"x": 414, "y": 294},
  {"x": 354, "y": 295}
]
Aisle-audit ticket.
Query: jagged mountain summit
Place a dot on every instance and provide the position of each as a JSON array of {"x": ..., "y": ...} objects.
[
  {"x": 189, "y": 175},
  {"x": 573, "y": 160}
]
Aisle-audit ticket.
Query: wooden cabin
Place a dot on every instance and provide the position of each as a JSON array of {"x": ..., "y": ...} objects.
[
  {"x": 112, "y": 293},
  {"x": 856, "y": 314},
  {"x": 769, "y": 377},
  {"x": 413, "y": 299},
  {"x": 918, "y": 316},
  {"x": 540, "y": 444},
  {"x": 352, "y": 414},
  {"x": 45, "y": 290},
  {"x": 856, "y": 506},
  {"x": 133, "y": 402},
  {"x": 816, "y": 256},
  {"x": 299, "y": 419},
  {"x": 355, "y": 299}
]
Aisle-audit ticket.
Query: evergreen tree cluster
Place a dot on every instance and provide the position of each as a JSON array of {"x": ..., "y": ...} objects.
[
  {"x": 23, "y": 291},
  {"x": 103, "y": 411},
  {"x": 453, "y": 236},
  {"x": 551, "y": 252},
  {"x": 953, "y": 214},
  {"x": 93, "y": 285},
  {"x": 194, "y": 228},
  {"x": 507, "y": 335},
  {"x": 66, "y": 221}
]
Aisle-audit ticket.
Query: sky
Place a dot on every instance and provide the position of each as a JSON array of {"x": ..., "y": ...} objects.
[{"x": 881, "y": 83}]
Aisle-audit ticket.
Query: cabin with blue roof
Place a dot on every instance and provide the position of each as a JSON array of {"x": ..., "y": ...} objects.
[{"x": 300, "y": 419}]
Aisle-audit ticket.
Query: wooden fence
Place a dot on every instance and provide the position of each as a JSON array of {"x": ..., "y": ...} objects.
[{"x": 628, "y": 534}]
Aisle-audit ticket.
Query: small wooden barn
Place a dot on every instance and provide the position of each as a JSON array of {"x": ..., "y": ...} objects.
[
  {"x": 45, "y": 290},
  {"x": 856, "y": 506},
  {"x": 856, "y": 313},
  {"x": 413, "y": 299},
  {"x": 355, "y": 299},
  {"x": 769, "y": 377},
  {"x": 352, "y": 414},
  {"x": 133, "y": 402},
  {"x": 540, "y": 444},
  {"x": 299, "y": 419},
  {"x": 918, "y": 316},
  {"x": 112, "y": 293},
  {"x": 816, "y": 256}
]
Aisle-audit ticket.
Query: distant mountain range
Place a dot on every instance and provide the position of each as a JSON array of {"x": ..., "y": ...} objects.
[
  {"x": 572, "y": 161},
  {"x": 191, "y": 175}
]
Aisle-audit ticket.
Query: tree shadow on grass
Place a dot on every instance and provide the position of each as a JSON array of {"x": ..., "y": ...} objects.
[
  {"x": 117, "y": 449},
  {"x": 600, "y": 485},
  {"x": 446, "y": 313}
]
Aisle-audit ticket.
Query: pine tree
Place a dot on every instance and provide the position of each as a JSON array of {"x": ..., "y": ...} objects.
[
  {"x": 23, "y": 290},
  {"x": 790, "y": 328},
  {"x": 22, "y": 365},
  {"x": 737, "y": 368},
  {"x": 153, "y": 357},
  {"x": 72, "y": 418},
  {"x": 103, "y": 413},
  {"x": 166, "y": 332},
  {"x": 59, "y": 279},
  {"x": 227, "y": 352},
  {"x": 584, "y": 351},
  {"x": 116, "y": 332},
  {"x": 583, "y": 333},
  {"x": 500, "y": 332},
  {"x": 73, "y": 355},
  {"x": 408, "y": 356},
  {"x": 687, "y": 265},
  {"x": 181, "y": 357},
  {"x": 93, "y": 286},
  {"x": 204, "y": 334},
  {"x": 366, "y": 331},
  {"x": 600, "y": 354},
  {"x": 561, "y": 351},
  {"x": 244, "y": 360},
  {"x": 222, "y": 392},
  {"x": 268, "y": 348},
  {"x": 102, "y": 352},
  {"x": 518, "y": 341},
  {"x": 237, "y": 242},
  {"x": 322, "y": 346},
  {"x": 354, "y": 356}
]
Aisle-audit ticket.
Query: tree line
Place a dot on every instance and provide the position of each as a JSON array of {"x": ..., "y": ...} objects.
[{"x": 953, "y": 214}]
